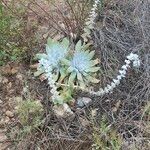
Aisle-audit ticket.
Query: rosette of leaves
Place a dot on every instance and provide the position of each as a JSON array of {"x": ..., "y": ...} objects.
[
  {"x": 81, "y": 67},
  {"x": 55, "y": 52}
]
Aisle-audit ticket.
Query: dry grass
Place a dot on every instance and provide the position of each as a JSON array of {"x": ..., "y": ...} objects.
[{"x": 122, "y": 27}]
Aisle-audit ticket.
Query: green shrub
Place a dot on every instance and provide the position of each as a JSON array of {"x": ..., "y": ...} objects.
[
  {"x": 13, "y": 41},
  {"x": 30, "y": 113},
  {"x": 105, "y": 137}
]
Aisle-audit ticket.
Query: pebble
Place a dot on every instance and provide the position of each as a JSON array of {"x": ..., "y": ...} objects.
[
  {"x": 18, "y": 99},
  {"x": 2, "y": 123},
  {"x": 14, "y": 70},
  {"x": 9, "y": 85},
  {"x": 63, "y": 111},
  {"x": 84, "y": 122},
  {"x": 5, "y": 80},
  {"x": 3, "y": 137},
  {"x": 1, "y": 79},
  {"x": 7, "y": 120},
  {"x": 9, "y": 114},
  {"x": 19, "y": 77},
  {"x": 1, "y": 101},
  {"x": 83, "y": 101}
]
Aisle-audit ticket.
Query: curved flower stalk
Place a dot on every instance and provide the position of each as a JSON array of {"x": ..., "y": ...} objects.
[
  {"x": 48, "y": 72},
  {"x": 90, "y": 21},
  {"x": 92, "y": 15},
  {"x": 122, "y": 73}
]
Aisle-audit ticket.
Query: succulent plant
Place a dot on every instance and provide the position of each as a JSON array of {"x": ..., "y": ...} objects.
[
  {"x": 70, "y": 67},
  {"x": 81, "y": 67},
  {"x": 56, "y": 51}
]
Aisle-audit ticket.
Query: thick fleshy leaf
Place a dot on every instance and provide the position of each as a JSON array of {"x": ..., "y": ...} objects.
[
  {"x": 66, "y": 94},
  {"x": 56, "y": 75},
  {"x": 91, "y": 54},
  {"x": 87, "y": 30},
  {"x": 72, "y": 78},
  {"x": 48, "y": 49},
  {"x": 87, "y": 53},
  {"x": 82, "y": 84},
  {"x": 94, "y": 62},
  {"x": 58, "y": 101},
  {"x": 70, "y": 69},
  {"x": 85, "y": 74},
  {"x": 86, "y": 46},
  {"x": 84, "y": 36},
  {"x": 65, "y": 43},
  {"x": 63, "y": 74},
  {"x": 79, "y": 77},
  {"x": 40, "y": 56},
  {"x": 65, "y": 62},
  {"x": 78, "y": 46},
  {"x": 49, "y": 41},
  {"x": 37, "y": 73},
  {"x": 92, "y": 79},
  {"x": 93, "y": 69}
]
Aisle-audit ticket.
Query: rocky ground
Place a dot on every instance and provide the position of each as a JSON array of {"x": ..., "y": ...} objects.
[{"x": 11, "y": 90}]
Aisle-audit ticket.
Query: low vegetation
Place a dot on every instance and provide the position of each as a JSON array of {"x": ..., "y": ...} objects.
[{"x": 89, "y": 85}]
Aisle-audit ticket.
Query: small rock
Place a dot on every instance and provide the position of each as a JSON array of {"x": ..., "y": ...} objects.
[
  {"x": 11, "y": 102},
  {"x": 84, "y": 122},
  {"x": 1, "y": 79},
  {"x": 4, "y": 109},
  {"x": 63, "y": 111},
  {"x": 19, "y": 77},
  {"x": 5, "y": 70},
  {"x": 18, "y": 99},
  {"x": 8, "y": 70},
  {"x": 9, "y": 114},
  {"x": 80, "y": 111},
  {"x": 7, "y": 120},
  {"x": 11, "y": 91},
  {"x": 116, "y": 107},
  {"x": 1, "y": 101},
  {"x": 9, "y": 86},
  {"x": 2, "y": 123},
  {"x": 5, "y": 80},
  {"x": 12, "y": 119},
  {"x": 42, "y": 77},
  {"x": 3, "y": 137},
  {"x": 14, "y": 70},
  {"x": 83, "y": 101},
  {"x": 94, "y": 112},
  {"x": 72, "y": 103},
  {"x": 45, "y": 35}
]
